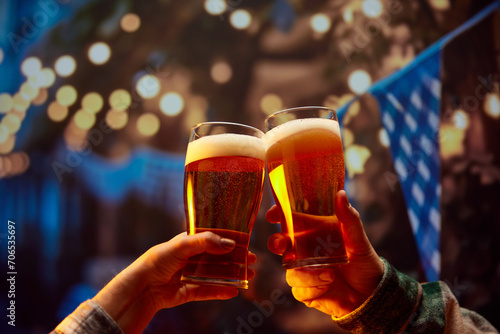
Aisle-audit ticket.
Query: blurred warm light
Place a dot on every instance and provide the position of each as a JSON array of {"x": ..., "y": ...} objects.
[
  {"x": 116, "y": 119},
  {"x": 65, "y": 66},
  {"x": 451, "y": 141},
  {"x": 1, "y": 55},
  {"x": 57, "y": 112},
  {"x": 12, "y": 123},
  {"x": 372, "y": 8},
  {"x": 440, "y": 4},
  {"x": 45, "y": 78},
  {"x": 320, "y": 23},
  {"x": 4, "y": 133},
  {"x": 359, "y": 81},
  {"x": 31, "y": 66},
  {"x": 148, "y": 86},
  {"x": 383, "y": 138},
  {"x": 221, "y": 72},
  {"x": 20, "y": 161},
  {"x": 99, "y": 53},
  {"x": 460, "y": 119},
  {"x": 271, "y": 103},
  {"x": 21, "y": 114},
  {"x": 120, "y": 99},
  {"x": 66, "y": 95},
  {"x": 74, "y": 137},
  {"x": 28, "y": 91},
  {"x": 148, "y": 124},
  {"x": 347, "y": 137},
  {"x": 197, "y": 111},
  {"x": 215, "y": 7},
  {"x": 130, "y": 22},
  {"x": 492, "y": 105},
  {"x": 240, "y": 19},
  {"x": 8, "y": 145},
  {"x": 355, "y": 159},
  {"x": 20, "y": 103},
  {"x": 92, "y": 102},
  {"x": 84, "y": 120},
  {"x": 41, "y": 98},
  {"x": 6, "y": 103},
  {"x": 348, "y": 15},
  {"x": 171, "y": 104}
]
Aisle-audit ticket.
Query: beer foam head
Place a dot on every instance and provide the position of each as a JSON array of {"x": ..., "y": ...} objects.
[
  {"x": 299, "y": 125},
  {"x": 227, "y": 144}
]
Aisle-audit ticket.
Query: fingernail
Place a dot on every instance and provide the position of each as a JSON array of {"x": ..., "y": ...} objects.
[
  {"x": 227, "y": 243},
  {"x": 326, "y": 276}
]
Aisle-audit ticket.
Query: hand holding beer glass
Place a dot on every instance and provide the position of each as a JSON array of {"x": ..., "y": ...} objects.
[
  {"x": 305, "y": 162},
  {"x": 223, "y": 180}
]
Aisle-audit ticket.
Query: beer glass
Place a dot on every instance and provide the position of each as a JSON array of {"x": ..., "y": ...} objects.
[
  {"x": 223, "y": 180},
  {"x": 305, "y": 162}
]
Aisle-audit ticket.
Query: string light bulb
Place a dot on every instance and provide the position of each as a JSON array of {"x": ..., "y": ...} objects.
[
  {"x": 65, "y": 66},
  {"x": 171, "y": 104},
  {"x": 99, "y": 53},
  {"x": 215, "y": 7},
  {"x": 320, "y": 23},
  {"x": 240, "y": 19},
  {"x": 359, "y": 81}
]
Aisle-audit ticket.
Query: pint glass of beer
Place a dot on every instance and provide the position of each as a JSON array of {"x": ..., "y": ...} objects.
[
  {"x": 223, "y": 180},
  {"x": 305, "y": 162}
]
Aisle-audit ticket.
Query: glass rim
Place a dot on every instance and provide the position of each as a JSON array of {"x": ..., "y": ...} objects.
[
  {"x": 196, "y": 126},
  {"x": 284, "y": 111}
]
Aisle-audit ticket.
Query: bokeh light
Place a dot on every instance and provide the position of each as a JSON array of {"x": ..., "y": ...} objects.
[
  {"x": 215, "y": 7},
  {"x": 492, "y": 105},
  {"x": 383, "y": 138},
  {"x": 130, "y": 22},
  {"x": 12, "y": 123},
  {"x": 8, "y": 145},
  {"x": 66, "y": 95},
  {"x": 460, "y": 119},
  {"x": 271, "y": 103},
  {"x": 41, "y": 98},
  {"x": 84, "y": 120},
  {"x": 31, "y": 66},
  {"x": 120, "y": 99},
  {"x": 440, "y": 5},
  {"x": 347, "y": 15},
  {"x": 116, "y": 119},
  {"x": 240, "y": 19},
  {"x": 65, "y": 66},
  {"x": 92, "y": 102},
  {"x": 28, "y": 91},
  {"x": 372, "y": 8},
  {"x": 99, "y": 53},
  {"x": 359, "y": 81},
  {"x": 45, "y": 78},
  {"x": 6, "y": 102},
  {"x": 20, "y": 103},
  {"x": 4, "y": 133},
  {"x": 347, "y": 137},
  {"x": 320, "y": 23},
  {"x": 221, "y": 72},
  {"x": 57, "y": 112},
  {"x": 451, "y": 141},
  {"x": 148, "y": 86},
  {"x": 171, "y": 104},
  {"x": 355, "y": 159},
  {"x": 148, "y": 124}
]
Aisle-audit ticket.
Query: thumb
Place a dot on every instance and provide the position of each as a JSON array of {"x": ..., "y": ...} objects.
[
  {"x": 190, "y": 245},
  {"x": 355, "y": 238}
]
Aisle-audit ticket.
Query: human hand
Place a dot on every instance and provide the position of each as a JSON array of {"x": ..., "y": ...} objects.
[
  {"x": 336, "y": 290},
  {"x": 152, "y": 282}
]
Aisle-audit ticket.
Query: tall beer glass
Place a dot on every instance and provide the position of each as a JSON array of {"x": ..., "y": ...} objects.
[
  {"x": 223, "y": 180},
  {"x": 305, "y": 162}
]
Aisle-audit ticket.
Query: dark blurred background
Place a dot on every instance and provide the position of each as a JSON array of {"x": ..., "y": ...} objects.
[{"x": 97, "y": 99}]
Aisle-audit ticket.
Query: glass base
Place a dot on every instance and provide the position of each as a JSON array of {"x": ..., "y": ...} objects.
[
  {"x": 316, "y": 262},
  {"x": 224, "y": 282}
]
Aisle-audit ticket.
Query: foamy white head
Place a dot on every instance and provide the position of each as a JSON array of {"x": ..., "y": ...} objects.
[
  {"x": 226, "y": 144},
  {"x": 299, "y": 125}
]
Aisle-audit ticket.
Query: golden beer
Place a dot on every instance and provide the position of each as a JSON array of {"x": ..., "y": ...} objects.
[
  {"x": 306, "y": 169},
  {"x": 223, "y": 182}
]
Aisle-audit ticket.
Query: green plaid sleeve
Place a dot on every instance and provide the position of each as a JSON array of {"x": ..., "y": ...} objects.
[{"x": 401, "y": 304}]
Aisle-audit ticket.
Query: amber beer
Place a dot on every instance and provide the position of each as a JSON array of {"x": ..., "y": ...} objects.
[
  {"x": 223, "y": 182},
  {"x": 306, "y": 168}
]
